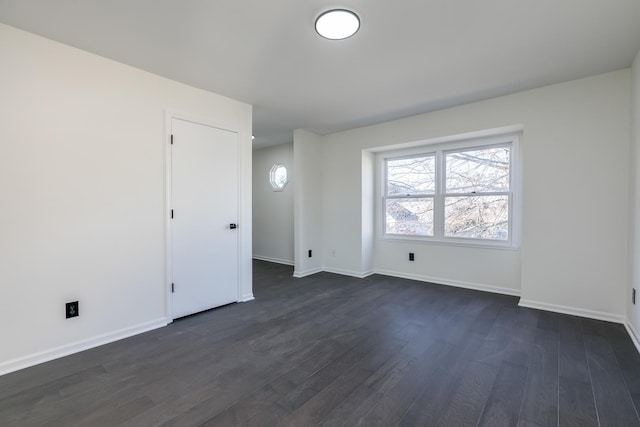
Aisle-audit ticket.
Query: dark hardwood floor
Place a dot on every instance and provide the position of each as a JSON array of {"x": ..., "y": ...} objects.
[{"x": 331, "y": 350}]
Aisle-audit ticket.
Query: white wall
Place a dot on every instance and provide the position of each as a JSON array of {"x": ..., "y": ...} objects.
[
  {"x": 273, "y": 210},
  {"x": 575, "y": 148},
  {"x": 308, "y": 201},
  {"x": 574, "y": 253},
  {"x": 633, "y": 311},
  {"x": 82, "y": 185},
  {"x": 367, "y": 262}
]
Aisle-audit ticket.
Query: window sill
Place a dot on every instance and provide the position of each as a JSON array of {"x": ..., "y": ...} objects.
[{"x": 449, "y": 242}]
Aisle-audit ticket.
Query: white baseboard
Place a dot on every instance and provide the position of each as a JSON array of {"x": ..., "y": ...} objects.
[
  {"x": 301, "y": 274},
  {"x": 76, "y": 347},
  {"x": 448, "y": 282},
  {"x": 574, "y": 311},
  {"x": 359, "y": 275},
  {"x": 276, "y": 260},
  {"x": 635, "y": 337},
  {"x": 247, "y": 297}
]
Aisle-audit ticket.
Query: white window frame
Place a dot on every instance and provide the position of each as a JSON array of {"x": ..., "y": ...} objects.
[
  {"x": 272, "y": 177},
  {"x": 439, "y": 150}
]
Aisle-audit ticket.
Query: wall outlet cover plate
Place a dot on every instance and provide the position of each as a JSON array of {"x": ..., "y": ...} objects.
[{"x": 71, "y": 309}]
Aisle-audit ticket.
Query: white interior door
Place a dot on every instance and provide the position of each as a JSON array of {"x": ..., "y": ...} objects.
[{"x": 204, "y": 202}]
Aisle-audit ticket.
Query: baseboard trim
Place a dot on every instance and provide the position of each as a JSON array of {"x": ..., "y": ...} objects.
[
  {"x": 574, "y": 311},
  {"x": 247, "y": 298},
  {"x": 76, "y": 347},
  {"x": 455, "y": 283},
  {"x": 301, "y": 274},
  {"x": 359, "y": 275},
  {"x": 275, "y": 260},
  {"x": 635, "y": 337}
]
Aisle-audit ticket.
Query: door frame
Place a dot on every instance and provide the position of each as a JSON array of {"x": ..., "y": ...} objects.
[{"x": 169, "y": 116}]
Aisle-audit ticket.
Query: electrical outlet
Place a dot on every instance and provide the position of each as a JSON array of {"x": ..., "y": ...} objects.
[
  {"x": 411, "y": 256},
  {"x": 309, "y": 253},
  {"x": 72, "y": 309}
]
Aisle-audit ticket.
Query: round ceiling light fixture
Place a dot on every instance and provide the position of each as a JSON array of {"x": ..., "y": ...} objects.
[{"x": 337, "y": 24}]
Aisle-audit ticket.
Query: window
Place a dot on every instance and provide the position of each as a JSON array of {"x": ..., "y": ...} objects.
[
  {"x": 411, "y": 189},
  {"x": 457, "y": 192},
  {"x": 278, "y": 177}
]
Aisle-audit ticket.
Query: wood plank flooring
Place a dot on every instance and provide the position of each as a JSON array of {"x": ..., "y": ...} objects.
[{"x": 330, "y": 350}]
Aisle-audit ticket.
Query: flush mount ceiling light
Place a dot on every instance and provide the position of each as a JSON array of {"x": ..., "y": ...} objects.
[{"x": 337, "y": 24}]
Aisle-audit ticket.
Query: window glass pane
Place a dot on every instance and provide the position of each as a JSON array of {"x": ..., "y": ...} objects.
[
  {"x": 477, "y": 217},
  {"x": 412, "y": 176},
  {"x": 410, "y": 217},
  {"x": 477, "y": 171},
  {"x": 278, "y": 177}
]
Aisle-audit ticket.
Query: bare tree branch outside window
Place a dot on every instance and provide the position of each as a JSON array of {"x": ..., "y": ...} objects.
[
  {"x": 481, "y": 177},
  {"x": 413, "y": 176},
  {"x": 476, "y": 193}
]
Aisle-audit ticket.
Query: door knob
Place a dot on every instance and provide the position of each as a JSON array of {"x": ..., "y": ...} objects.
[{"x": 233, "y": 226}]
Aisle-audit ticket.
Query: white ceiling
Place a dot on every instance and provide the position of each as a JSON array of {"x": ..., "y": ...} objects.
[{"x": 409, "y": 57}]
